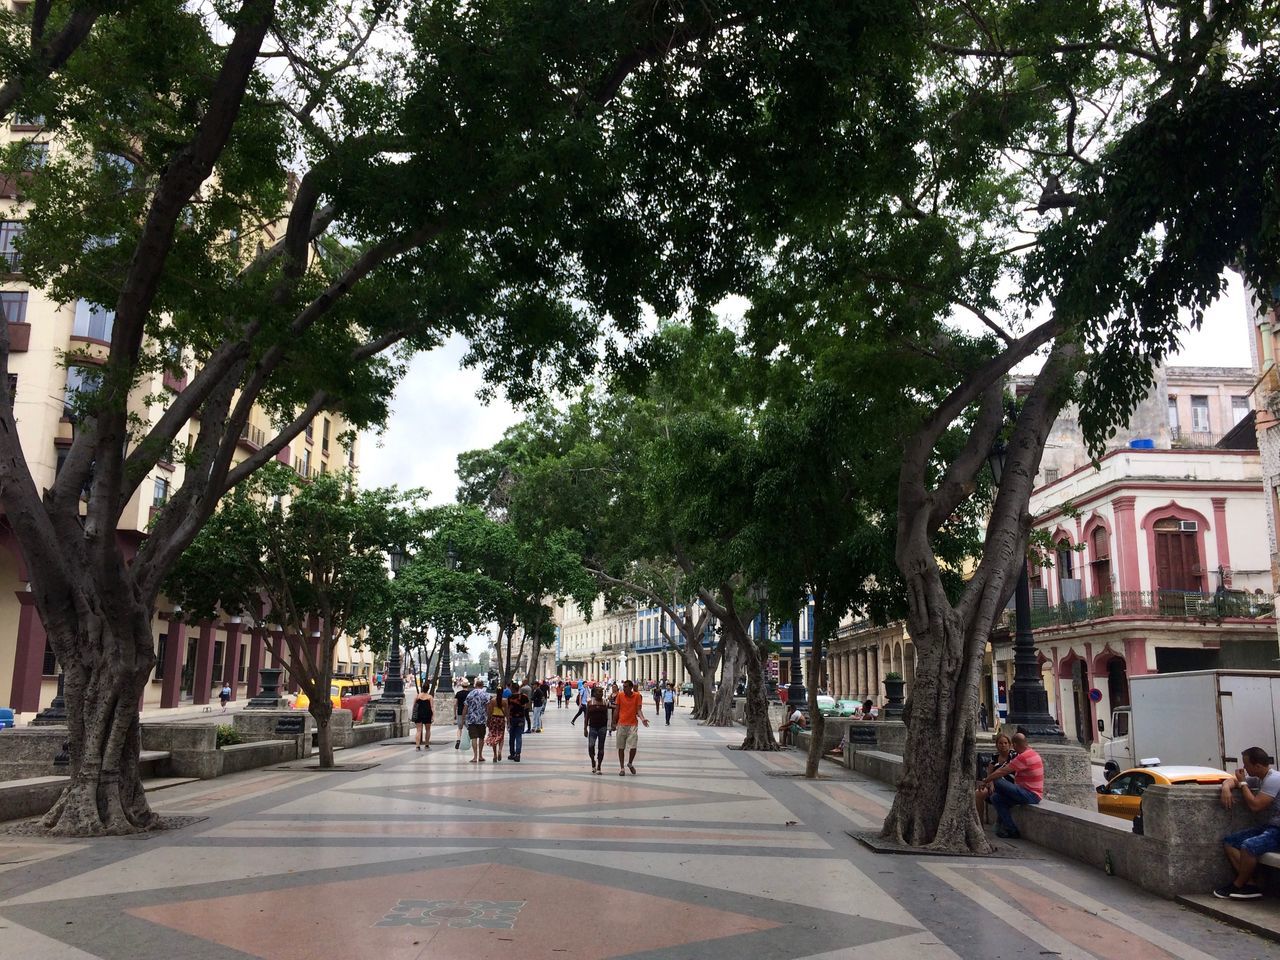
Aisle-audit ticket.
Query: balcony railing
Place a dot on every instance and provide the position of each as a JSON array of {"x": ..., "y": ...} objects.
[
  {"x": 1182, "y": 439},
  {"x": 253, "y": 436},
  {"x": 1164, "y": 604}
]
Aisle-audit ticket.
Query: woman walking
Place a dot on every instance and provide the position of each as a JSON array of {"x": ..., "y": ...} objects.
[
  {"x": 595, "y": 728},
  {"x": 497, "y": 727},
  {"x": 424, "y": 709}
]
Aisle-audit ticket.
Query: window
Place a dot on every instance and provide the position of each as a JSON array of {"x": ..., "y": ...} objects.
[
  {"x": 1239, "y": 409},
  {"x": 160, "y": 494},
  {"x": 163, "y": 642},
  {"x": 306, "y": 463},
  {"x": 81, "y": 382},
  {"x": 93, "y": 321},
  {"x": 1173, "y": 415},
  {"x": 1051, "y": 474},
  {"x": 309, "y": 433},
  {"x": 50, "y": 666},
  {"x": 324, "y": 436},
  {"x": 22, "y": 122},
  {"x": 34, "y": 155},
  {"x": 1101, "y": 545},
  {"x": 242, "y": 663},
  {"x": 14, "y": 303},
  {"x": 1200, "y": 414},
  {"x": 10, "y": 231}
]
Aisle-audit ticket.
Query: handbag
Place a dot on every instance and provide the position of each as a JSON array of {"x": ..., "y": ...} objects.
[{"x": 466, "y": 739}]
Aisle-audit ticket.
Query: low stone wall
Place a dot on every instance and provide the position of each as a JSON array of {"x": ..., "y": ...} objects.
[
  {"x": 298, "y": 725},
  {"x": 238, "y": 757},
  {"x": 27, "y": 752},
  {"x": 777, "y": 712},
  {"x": 192, "y": 749},
  {"x": 363, "y": 733},
  {"x": 29, "y": 797},
  {"x": 339, "y": 730}
]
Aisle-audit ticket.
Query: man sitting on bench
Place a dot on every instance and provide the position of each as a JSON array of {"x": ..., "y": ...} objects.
[{"x": 1259, "y": 786}]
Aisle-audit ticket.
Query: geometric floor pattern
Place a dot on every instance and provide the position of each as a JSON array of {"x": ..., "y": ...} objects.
[{"x": 707, "y": 853}]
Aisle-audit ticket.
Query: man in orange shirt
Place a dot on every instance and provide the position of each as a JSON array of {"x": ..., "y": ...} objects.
[{"x": 628, "y": 714}]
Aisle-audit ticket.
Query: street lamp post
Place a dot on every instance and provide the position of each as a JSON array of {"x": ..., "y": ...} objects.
[
  {"x": 797, "y": 695},
  {"x": 393, "y": 686},
  {"x": 1028, "y": 699},
  {"x": 446, "y": 663}
]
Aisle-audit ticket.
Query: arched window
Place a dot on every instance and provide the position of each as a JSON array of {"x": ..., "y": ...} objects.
[{"x": 1177, "y": 558}]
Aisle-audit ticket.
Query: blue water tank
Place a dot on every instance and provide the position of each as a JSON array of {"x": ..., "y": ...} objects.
[{"x": 1142, "y": 443}]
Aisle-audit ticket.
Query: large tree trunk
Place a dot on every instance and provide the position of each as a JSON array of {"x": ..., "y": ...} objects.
[
  {"x": 934, "y": 804},
  {"x": 721, "y": 713},
  {"x": 759, "y": 734},
  {"x": 322, "y": 711},
  {"x": 104, "y": 675},
  {"x": 817, "y": 722}
]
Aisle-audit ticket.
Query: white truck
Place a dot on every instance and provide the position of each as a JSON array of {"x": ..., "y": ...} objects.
[{"x": 1200, "y": 718}]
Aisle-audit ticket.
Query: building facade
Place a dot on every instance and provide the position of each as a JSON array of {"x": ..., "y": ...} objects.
[{"x": 55, "y": 350}]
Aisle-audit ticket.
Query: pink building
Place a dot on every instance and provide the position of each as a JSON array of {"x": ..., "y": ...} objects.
[{"x": 1159, "y": 562}]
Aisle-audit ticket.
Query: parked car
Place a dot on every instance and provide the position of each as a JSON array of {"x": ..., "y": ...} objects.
[
  {"x": 686, "y": 688},
  {"x": 847, "y": 708},
  {"x": 827, "y": 706},
  {"x": 347, "y": 693},
  {"x": 6, "y": 718},
  {"x": 1121, "y": 796}
]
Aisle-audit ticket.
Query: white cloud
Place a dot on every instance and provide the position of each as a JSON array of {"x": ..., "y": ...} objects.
[{"x": 435, "y": 415}]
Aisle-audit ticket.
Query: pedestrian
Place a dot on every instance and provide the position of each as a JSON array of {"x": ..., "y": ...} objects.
[
  {"x": 983, "y": 720},
  {"x": 497, "y": 725},
  {"x": 1004, "y": 753},
  {"x": 526, "y": 690},
  {"x": 518, "y": 709},
  {"x": 460, "y": 712},
  {"x": 657, "y": 699},
  {"x": 540, "y": 694},
  {"x": 595, "y": 728},
  {"x": 1026, "y": 788},
  {"x": 669, "y": 700},
  {"x": 224, "y": 695},
  {"x": 582, "y": 701},
  {"x": 424, "y": 709},
  {"x": 477, "y": 717},
  {"x": 1259, "y": 786},
  {"x": 869, "y": 710},
  {"x": 628, "y": 709}
]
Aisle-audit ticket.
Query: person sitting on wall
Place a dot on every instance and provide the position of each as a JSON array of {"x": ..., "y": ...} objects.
[
  {"x": 793, "y": 725},
  {"x": 1027, "y": 787},
  {"x": 1259, "y": 786}
]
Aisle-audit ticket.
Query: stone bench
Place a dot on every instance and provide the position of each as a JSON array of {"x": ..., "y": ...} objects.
[
  {"x": 237, "y": 757},
  {"x": 363, "y": 733},
  {"x": 29, "y": 797}
]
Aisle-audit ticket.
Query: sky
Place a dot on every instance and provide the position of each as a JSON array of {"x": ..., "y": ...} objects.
[{"x": 436, "y": 414}]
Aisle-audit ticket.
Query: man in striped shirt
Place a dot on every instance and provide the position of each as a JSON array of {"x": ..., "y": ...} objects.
[{"x": 1028, "y": 786}]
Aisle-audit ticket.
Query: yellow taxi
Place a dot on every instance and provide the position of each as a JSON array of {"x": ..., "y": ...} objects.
[
  {"x": 1121, "y": 796},
  {"x": 346, "y": 693}
]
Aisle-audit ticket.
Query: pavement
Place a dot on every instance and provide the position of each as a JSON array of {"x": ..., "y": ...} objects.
[{"x": 707, "y": 853}]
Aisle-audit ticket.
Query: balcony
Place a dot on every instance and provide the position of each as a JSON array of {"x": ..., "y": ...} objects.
[
  {"x": 1158, "y": 604},
  {"x": 252, "y": 437},
  {"x": 1181, "y": 439}
]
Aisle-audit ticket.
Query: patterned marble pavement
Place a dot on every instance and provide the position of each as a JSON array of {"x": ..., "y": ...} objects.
[{"x": 707, "y": 853}]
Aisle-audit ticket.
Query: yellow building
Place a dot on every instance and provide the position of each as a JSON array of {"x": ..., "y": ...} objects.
[{"x": 53, "y": 351}]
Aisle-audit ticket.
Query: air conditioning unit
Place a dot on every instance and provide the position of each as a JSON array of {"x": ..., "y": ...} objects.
[{"x": 1188, "y": 526}]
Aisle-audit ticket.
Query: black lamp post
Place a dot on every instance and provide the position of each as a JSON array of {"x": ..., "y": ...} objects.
[
  {"x": 1028, "y": 699},
  {"x": 446, "y": 664},
  {"x": 393, "y": 687}
]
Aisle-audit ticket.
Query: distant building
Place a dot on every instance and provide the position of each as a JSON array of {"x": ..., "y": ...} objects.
[{"x": 1158, "y": 557}]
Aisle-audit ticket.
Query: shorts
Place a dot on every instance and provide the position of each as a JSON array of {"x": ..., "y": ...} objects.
[
  {"x": 1255, "y": 841},
  {"x": 627, "y": 738},
  {"x": 476, "y": 731}
]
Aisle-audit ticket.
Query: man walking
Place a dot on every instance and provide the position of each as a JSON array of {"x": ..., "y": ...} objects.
[
  {"x": 1259, "y": 786},
  {"x": 1027, "y": 786},
  {"x": 628, "y": 709},
  {"x": 669, "y": 700},
  {"x": 476, "y": 712}
]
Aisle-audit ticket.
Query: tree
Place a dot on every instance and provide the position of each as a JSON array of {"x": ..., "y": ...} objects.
[
  {"x": 288, "y": 193},
  {"x": 1089, "y": 170},
  {"x": 316, "y": 567}
]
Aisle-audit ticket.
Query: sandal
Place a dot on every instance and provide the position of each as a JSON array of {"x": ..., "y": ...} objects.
[
  {"x": 632, "y": 768},
  {"x": 622, "y": 773}
]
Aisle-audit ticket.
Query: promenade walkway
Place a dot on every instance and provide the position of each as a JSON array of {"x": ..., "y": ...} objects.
[{"x": 707, "y": 853}]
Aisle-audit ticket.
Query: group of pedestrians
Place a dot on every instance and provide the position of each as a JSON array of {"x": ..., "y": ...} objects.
[{"x": 499, "y": 720}]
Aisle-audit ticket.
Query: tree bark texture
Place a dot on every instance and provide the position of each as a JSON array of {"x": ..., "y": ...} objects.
[
  {"x": 721, "y": 713},
  {"x": 934, "y": 806},
  {"x": 817, "y": 722}
]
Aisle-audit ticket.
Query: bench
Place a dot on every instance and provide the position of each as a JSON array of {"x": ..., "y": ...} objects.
[{"x": 29, "y": 797}]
